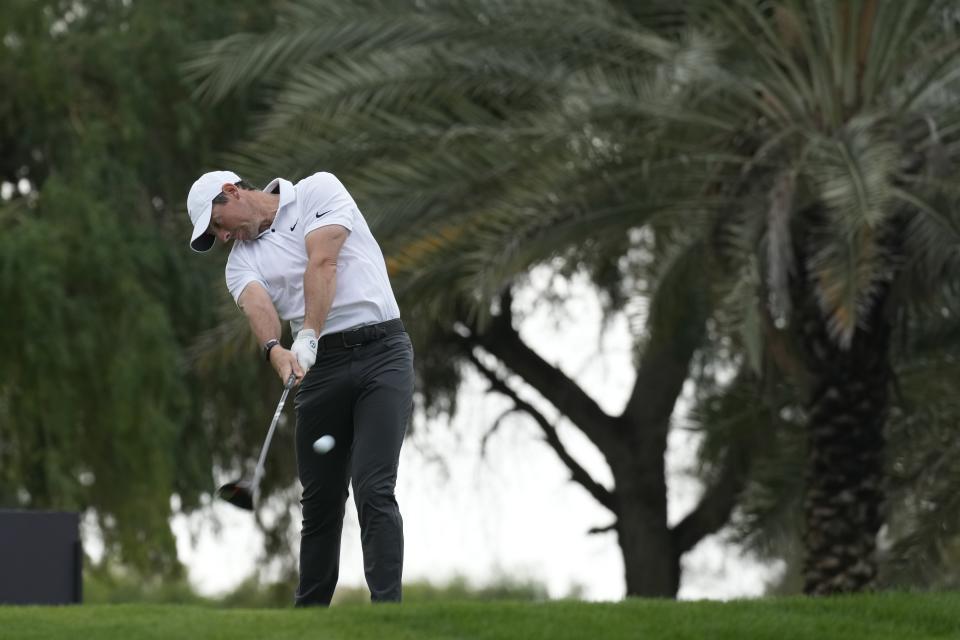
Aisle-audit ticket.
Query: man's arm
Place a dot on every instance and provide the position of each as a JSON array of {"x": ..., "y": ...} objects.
[
  {"x": 320, "y": 277},
  {"x": 256, "y": 304}
]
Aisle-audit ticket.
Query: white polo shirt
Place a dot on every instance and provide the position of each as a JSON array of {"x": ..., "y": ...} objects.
[{"x": 277, "y": 258}]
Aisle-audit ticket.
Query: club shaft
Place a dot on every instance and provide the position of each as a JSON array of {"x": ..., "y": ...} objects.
[{"x": 273, "y": 425}]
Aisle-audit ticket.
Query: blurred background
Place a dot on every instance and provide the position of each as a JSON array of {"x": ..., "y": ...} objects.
[{"x": 682, "y": 279}]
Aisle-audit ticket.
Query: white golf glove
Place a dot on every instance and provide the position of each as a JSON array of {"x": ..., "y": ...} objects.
[{"x": 305, "y": 348}]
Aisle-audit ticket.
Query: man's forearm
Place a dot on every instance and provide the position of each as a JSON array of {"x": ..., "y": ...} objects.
[
  {"x": 319, "y": 287},
  {"x": 260, "y": 312},
  {"x": 256, "y": 304}
]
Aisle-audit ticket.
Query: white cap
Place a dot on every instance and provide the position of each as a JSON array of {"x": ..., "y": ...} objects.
[{"x": 200, "y": 202}]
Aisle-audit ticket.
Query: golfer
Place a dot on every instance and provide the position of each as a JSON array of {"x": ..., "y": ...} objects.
[{"x": 303, "y": 253}]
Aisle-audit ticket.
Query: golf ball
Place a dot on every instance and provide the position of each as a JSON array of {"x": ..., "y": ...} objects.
[{"x": 324, "y": 444}]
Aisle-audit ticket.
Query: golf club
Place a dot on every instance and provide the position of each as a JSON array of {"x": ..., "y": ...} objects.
[{"x": 243, "y": 494}]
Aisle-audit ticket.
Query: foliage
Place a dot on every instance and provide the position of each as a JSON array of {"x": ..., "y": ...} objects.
[
  {"x": 98, "y": 406},
  {"x": 118, "y": 586},
  {"x": 113, "y": 585},
  {"x": 475, "y": 120}
]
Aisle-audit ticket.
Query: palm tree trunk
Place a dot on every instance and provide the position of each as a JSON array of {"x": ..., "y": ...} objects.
[{"x": 844, "y": 493}]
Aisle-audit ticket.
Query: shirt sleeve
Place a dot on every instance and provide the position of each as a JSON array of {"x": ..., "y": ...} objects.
[
  {"x": 325, "y": 201},
  {"x": 240, "y": 273}
]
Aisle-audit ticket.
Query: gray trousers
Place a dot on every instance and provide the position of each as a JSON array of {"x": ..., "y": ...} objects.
[{"x": 363, "y": 397}]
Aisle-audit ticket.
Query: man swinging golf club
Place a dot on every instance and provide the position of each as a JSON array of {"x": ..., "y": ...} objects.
[{"x": 303, "y": 253}]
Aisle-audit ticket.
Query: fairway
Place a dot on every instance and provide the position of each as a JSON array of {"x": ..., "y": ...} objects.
[{"x": 893, "y": 616}]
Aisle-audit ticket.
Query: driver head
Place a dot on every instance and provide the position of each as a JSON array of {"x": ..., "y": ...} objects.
[{"x": 239, "y": 494}]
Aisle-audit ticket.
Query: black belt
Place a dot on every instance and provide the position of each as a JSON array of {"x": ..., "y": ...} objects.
[{"x": 352, "y": 338}]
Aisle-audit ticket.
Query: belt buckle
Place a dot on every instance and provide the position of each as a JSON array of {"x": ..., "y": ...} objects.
[{"x": 352, "y": 345}]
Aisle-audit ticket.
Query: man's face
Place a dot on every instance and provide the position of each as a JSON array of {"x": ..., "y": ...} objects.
[{"x": 235, "y": 219}]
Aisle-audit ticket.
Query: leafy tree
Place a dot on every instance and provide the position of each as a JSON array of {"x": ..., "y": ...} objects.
[{"x": 98, "y": 405}]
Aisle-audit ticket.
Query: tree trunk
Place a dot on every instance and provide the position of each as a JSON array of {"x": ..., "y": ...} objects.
[
  {"x": 651, "y": 563},
  {"x": 844, "y": 494},
  {"x": 634, "y": 443}
]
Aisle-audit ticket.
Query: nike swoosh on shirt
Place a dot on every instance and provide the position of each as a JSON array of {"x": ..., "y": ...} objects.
[
  {"x": 294, "y": 226},
  {"x": 324, "y": 213}
]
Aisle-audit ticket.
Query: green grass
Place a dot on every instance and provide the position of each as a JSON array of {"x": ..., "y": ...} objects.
[{"x": 873, "y": 617}]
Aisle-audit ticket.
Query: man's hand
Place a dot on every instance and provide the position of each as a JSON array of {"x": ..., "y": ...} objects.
[
  {"x": 285, "y": 363},
  {"x": 305, "y": 348}
]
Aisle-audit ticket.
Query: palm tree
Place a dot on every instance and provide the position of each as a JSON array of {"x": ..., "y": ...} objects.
[
  {"x": 840, "y": 128},
  {"x": 846, "y": 118},
  {"x": 918, "y": 541},
  {"x": 476, "y": 163},
  {"x": 804, "y": 147}
]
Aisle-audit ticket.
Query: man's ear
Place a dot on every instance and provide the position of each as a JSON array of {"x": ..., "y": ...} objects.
[{"x": 231, "y": 190}]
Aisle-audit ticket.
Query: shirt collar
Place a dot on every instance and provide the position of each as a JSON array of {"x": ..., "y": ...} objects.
[
  {"x": 287, "y": 195},
  {"x": 287, "y": 192}
]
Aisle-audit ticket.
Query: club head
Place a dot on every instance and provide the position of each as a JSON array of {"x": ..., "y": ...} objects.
[{"x": 238, "y": 493}]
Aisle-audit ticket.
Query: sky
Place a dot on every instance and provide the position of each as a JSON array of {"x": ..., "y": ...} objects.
[{"x": 511, "y": 510}]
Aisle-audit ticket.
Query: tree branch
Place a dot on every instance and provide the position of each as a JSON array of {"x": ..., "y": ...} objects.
[
  {"x": 493, "y": 429},
  {"x": 503, "y": 341},
  {"x": 606, "y": 529},
  {"x": 659, "y": 381},
  {"x": 578, "y": 474},
  {"x": 714, "y": 508},
  {"x": 676, "y": 327}
]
